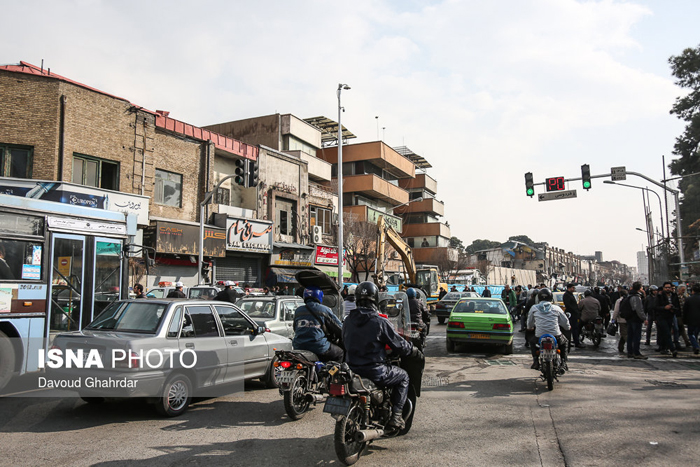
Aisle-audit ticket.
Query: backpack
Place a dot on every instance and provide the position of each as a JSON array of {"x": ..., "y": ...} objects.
[{"x": 626, "y": 311}]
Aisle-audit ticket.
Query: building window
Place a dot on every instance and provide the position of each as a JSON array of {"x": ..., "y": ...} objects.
[
  {"x": 322, "y": 217},
  {"x": 285, "y": 216},
  {"x": 95, "y": 172},
  {"x": 15, "y": 161},
  {"x": 223, "y": 196},
  {"x": 168, "y": 188}
]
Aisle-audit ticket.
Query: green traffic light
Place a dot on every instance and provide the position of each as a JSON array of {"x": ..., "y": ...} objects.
[
  {"x": 586, "y": 184},
  {"x": 530, "y": 192}
]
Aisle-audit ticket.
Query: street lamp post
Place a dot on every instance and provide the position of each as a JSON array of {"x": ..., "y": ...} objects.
[
  {"x": 340, "y": 187},
  {"x": 648, "y": 191}
]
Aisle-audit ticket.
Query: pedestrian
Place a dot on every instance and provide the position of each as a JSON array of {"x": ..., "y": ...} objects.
[
  {"x": 691, "y": 317},
  {"x": 286, "y": 290},
  {"x": 682, "y": 295},
  {"x": 635, "y": 318},
  {"x": 571, "y": 307},
  {"x": 621, "y": 322},
  {"x": 649, "y": 305},
  {"x": 486, "y": 292},
  {"x": 138, "y": 290},
  {"x": 667, "y": 306},
  {"x": 443, "y": 292},
  {"x": 177, "y": 292},
  {"x": 350, "y": 300},
  {"x": 344, "y": 292},
  {"x": 509, "y": 299}
]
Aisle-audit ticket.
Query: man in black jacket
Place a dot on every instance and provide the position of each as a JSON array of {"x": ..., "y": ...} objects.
[
  {"x": 366, "y": 335},
  {"x": 635, "y": 320},
  {"x": 571, "y": 307},
  {"x": 229, "y": 294},
  {"x": 667, "y": 305},
  {"x": 649, "y": 305},
  {"x": 691, "y": 317}
]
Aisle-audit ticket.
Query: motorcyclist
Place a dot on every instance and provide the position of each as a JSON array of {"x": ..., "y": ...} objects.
[
  {"x": 418, "y": 312},
  {"x": 310, "y": 320},
  {"x": 350, "y": 300},
  {"x": 366, "y": 335},
  {"x": 547, "y": 318},
  {"x": 229, "y": 294},
  {"x": 589, "y": 307}
]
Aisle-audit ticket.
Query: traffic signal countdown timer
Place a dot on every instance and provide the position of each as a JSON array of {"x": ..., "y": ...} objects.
[
  {"x": 529, "y": 185},
  {"x": 586, "y": 176}
]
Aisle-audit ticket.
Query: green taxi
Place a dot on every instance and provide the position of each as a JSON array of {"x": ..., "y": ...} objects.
[{"x": 480, "y": 321}]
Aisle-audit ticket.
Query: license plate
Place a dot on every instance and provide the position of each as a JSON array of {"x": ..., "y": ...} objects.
[
  {"x": 286, "y": 377},
  {"x": 479, "y": 336},
  {"x": 337, "y": 406}
]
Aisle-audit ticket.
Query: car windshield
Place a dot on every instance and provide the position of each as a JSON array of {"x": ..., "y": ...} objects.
[
  {"x": 494, "y": 307},
  {"x": 142, "y": 317},
  {"x": 156, "y": 293},
  {"x": 452, "y": 296},
  {"x": 558, "y": 297},
  {"x": 205, "y": 293},
  {"x": 258, "y": 308}
]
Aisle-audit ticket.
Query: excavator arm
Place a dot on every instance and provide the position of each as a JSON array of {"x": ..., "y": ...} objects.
[{"x": 387, "y": 234}]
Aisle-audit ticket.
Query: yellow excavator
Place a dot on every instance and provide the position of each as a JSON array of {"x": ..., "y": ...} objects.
[{"x": 425, "y": 278}]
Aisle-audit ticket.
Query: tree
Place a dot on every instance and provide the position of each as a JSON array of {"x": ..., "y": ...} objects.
[
  {"x": 686, "y": 69},
  {"x": 482, "y": 245},
  {"x": 360, "y": 243},
  {"x": 457, "y": 244}
]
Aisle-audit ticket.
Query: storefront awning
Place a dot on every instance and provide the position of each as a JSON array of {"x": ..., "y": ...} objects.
[
  {"x": 332, "y": 271},
  {"x": 292, "y": 245},
  {"x": 282, "y": 275}
]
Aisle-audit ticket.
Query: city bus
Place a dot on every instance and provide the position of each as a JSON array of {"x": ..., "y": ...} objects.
[{"x": 60, "y": 266}]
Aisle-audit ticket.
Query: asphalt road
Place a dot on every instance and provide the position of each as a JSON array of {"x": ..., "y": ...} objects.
[{"x": 477, "y": 408}]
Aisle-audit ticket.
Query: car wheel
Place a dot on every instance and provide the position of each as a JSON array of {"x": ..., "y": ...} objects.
[
  {"x": 7, "y": 359},
  {"x": 273, "y": 373},
  {"x": 441, "y": 320},
  {"x": 508, "y": 349},
  {"x": 450, "y": 345},
  {"x": 176, "y": 398}
]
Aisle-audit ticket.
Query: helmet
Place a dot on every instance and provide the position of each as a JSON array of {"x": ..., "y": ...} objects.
[
  {"x": 313, "y": 293},
  {"x": 653, "y": 287},
  {"x": 411, "y": 292},
  {"x": 587, "y": 293},
  {"x": 229, "y": 283},
  {"x": 544, "y": 295},
  {"x": 179, "y": 284},
  {"x": 367, "y": 294},
  {"x": 351, "y": 289}
]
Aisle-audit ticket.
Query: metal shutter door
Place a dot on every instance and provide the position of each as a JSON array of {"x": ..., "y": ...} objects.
[{"x": 241, "y": 269}]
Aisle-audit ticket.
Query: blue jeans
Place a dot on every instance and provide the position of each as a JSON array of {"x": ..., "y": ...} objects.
[
  {"x": 634, "y": 337},
  {"x": 693, "y": 332}
]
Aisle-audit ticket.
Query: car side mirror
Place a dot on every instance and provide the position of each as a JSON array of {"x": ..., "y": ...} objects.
[{"x": 259, "y": 330}]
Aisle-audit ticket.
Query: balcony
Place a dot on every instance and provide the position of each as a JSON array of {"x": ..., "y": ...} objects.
[
  {"x": 430, "y": 205},
  {"x": 375, "y": 152},
  {"x": 319, "y": 170},
  {"x": 375, "y": 187},
  {"x": 423, "y": 181},
  {"x": 436, "y": 229}
]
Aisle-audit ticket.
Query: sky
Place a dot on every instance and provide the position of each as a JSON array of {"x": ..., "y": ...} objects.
[{"x": 485, "y": 91}]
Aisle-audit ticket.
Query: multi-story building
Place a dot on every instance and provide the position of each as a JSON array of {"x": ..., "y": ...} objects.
[{"x": 88, "y": 147}]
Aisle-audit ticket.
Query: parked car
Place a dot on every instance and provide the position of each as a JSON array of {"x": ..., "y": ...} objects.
[
  {"x": 162, "y": 291},
  {"x": 444, "y": 306},
  {"x": 558, "y": 298},
  {"x": 274, "y": 312},
  {"x": 213, "y": 347},
  {"x": 480, "y": 320},
  {"x": 203, "y": 292}
]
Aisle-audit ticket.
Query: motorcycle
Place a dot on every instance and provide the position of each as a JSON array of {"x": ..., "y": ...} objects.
[
  {"x": 593, "y": 330},
  {"x": 300, "y": 379},
  {"x": 551, "y": 363},
  {"x": 362, "y": 409}
]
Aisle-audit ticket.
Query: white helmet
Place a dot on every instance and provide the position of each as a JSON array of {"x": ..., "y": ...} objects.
[
  {"x": 229, "y": 283},
  {"x": 351, "y": 289},
  {"x": 179, "y": 284}
]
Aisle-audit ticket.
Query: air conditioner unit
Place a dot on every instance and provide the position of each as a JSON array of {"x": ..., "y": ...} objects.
[{"x": 317, "y": 234}]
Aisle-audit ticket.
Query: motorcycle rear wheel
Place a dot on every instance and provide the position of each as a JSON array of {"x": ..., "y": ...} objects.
[
  {"x": 548, "y": 374},
  {"x": 347, "y": 449},
  {"x": 295, "y": 402}
]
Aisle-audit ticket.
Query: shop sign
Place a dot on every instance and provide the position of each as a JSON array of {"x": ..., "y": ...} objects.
[
  {"x": 395, "y": 222},
  {"x": 183, "y": 239},
  {"x": 293, "y": 257},
  {"x": 84, "y": 225},
  {"x": 248, "y": 235},
  {"x": 327, "y": 255}
]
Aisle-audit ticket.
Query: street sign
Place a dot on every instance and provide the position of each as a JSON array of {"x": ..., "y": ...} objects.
[
  {"x": 618, "y": 173},
  {"x": 556, "y": 195}
]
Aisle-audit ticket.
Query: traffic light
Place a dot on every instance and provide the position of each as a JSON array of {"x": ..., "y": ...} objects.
[
  {"x": 253, "y": 170},
  {"x": 241, "y": 177},
  {"x": 586, "y": 176},
  {"x": 206, "y": 270},
  {"x": 529, "y": 185}
]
